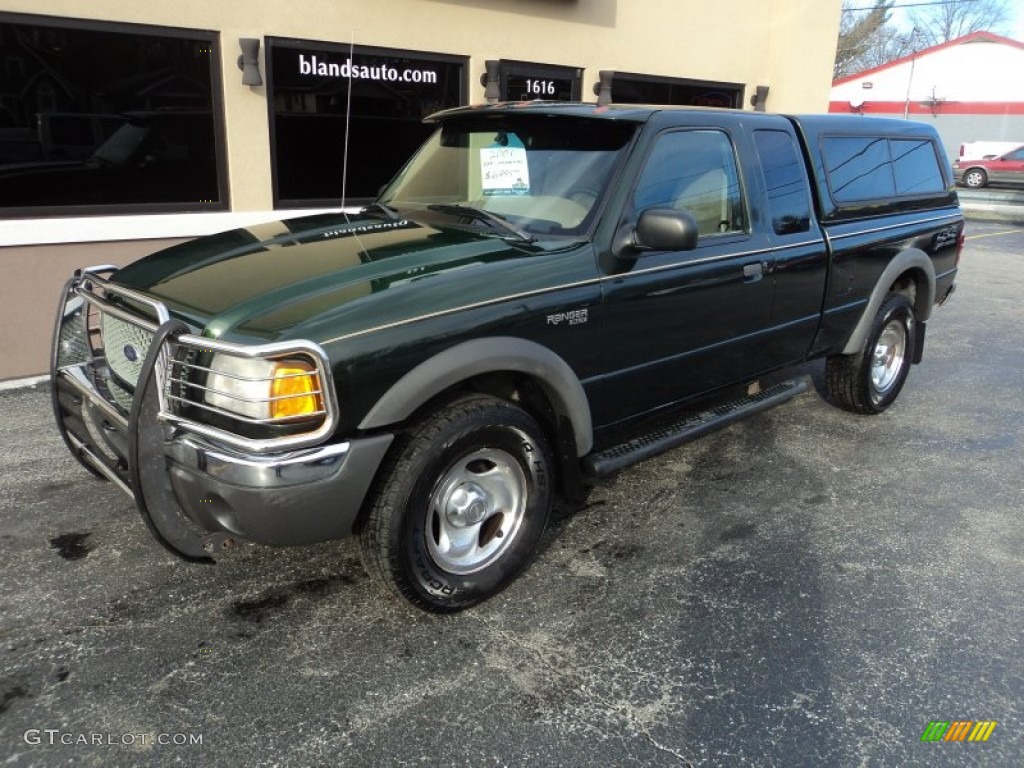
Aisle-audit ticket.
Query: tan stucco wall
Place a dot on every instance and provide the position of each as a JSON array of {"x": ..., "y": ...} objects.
[{"x": 33, "y": 277}]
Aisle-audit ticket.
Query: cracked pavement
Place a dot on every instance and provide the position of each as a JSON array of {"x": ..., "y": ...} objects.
[{"x": 804, "y": 588}]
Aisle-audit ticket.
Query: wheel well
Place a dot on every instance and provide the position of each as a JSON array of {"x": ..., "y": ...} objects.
[
  {"x": 909, "y": 284},
  {"x": 529, "y": 394}
]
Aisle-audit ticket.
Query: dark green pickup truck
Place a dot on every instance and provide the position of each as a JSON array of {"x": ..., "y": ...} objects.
[{"x": 537, "y": 282}]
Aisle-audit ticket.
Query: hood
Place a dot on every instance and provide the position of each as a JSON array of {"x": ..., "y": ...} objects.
[{"x": 319, "y": 276}]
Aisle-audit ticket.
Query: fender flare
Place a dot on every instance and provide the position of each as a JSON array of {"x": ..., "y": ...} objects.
[
  {"x": 904, "y": 261},
  {"x": 496, "y": 354}
]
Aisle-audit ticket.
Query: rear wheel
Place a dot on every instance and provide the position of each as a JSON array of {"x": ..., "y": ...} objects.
[
  {"x": 462, "y": 505},
  {"x": 975, "y": 178},
  {"x": 869, "y": 381}
]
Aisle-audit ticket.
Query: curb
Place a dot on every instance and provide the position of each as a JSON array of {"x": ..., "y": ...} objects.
[
  {"x": 1007, "y": 214},
  {"x": 30, "y": 381}
]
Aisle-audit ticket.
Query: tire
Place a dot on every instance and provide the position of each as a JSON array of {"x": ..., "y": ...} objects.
[
  {"x": 975, "y": 178},
  {"x": 869, "y": 382},
  {"x": 461, "y": 505}
]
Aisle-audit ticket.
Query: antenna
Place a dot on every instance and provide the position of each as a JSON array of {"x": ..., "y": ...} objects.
[{"x": 348, "y": 116}]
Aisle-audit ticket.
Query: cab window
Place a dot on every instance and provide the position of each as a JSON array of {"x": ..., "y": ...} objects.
[{"x": 695, "y": 170}]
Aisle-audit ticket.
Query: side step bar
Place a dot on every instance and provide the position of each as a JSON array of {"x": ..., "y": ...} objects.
[{"x": 689, "y": 428}]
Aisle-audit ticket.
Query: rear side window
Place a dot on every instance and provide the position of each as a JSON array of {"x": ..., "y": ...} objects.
[
  {"x": 785, "y": 179},
  {"x": 917, "y": 170},
  {"x": 858, "y": 168},
  {"x": 880, "y": 168}
]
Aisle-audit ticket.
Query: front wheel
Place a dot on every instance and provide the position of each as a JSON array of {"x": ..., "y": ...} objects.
[
  {"x": 975, "y": 178},
  {"x": 461, "y": 506},
  {"x": 870, "y": 380}
]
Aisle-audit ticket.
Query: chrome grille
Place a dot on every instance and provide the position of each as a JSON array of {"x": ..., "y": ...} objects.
[
  {"x": 72, "y": 343},
  {"x": 126, "y": 346},
  {"x": 109, "y": 319}
]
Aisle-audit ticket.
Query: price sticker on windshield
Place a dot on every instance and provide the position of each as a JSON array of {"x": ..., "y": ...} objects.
[{"x": 504, "y": 169}]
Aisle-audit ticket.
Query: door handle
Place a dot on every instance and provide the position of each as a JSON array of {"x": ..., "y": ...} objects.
[{"x": 753, "y": 272}]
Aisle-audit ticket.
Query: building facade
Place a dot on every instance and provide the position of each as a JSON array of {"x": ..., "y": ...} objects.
[
  {"x": 126, "y": 127},
  {"x": 971, "y": 89}
]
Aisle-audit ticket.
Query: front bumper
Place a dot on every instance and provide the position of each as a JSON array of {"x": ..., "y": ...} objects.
[
  {"x": 298, "y": 498},
  {"x": 197, "y": 493}
]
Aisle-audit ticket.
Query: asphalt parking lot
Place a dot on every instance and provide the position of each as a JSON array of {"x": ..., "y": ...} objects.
[{"x": 805, "y": 588}]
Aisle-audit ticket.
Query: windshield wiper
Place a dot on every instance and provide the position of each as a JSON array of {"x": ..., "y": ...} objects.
[
  {"x": 479, "y": 214},
  {"x": 387, "y": 210}
]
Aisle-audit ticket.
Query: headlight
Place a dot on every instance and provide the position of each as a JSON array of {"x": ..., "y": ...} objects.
[{"x": 264, "y": 390}]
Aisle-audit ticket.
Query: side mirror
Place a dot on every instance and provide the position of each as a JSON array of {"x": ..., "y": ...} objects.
[{"x": 665, "y": 229}]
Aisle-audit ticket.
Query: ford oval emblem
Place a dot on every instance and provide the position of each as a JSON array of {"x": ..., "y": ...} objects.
[{"x": 130, "y": 353}]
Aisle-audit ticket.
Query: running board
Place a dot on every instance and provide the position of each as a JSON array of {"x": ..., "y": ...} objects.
[{"x": 689, "y": 428}]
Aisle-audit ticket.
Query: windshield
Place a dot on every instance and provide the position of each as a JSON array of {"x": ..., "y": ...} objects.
[{"x": 543, "y": 175}]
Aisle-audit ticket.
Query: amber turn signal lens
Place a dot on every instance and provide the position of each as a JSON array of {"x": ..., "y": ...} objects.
[{"x": 295, "y": 389}]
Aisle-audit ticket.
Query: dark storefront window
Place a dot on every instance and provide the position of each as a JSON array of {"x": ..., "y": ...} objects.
[
  {"x": 99, "y": 118},
  {"x": 524, "y": 81},
  {"x": 392, "y": 91},
  {"x": 647, "y": 89}
]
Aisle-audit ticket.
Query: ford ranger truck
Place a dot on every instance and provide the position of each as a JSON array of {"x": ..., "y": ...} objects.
[{"x": 537, "y": 286}]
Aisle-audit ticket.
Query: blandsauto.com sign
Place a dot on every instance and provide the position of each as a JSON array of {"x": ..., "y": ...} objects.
[{"x": 314, "y": 65}]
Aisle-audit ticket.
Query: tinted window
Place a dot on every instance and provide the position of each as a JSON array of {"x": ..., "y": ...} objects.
[
  {"x": 858, "y": 168},
  {"x": 789, "y": 202},
  {"x": 391, "y": 94},
  {"x": 102, "y": 116},
  {"x": 696, "y": 171},
  {"x": 1017, "y": 154},
  {"x": 917, "y": 169}
]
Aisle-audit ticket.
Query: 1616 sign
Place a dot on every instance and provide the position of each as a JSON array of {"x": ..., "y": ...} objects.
[{"x": 526, "y": 88}]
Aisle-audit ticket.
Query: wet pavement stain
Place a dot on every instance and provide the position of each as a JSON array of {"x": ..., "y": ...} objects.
[
  {"x": 256, "y": 610},
  {"x": 17, "y": 692},
  {"x": 71, "y": 546},
  {"x": 736, "y": 532}
]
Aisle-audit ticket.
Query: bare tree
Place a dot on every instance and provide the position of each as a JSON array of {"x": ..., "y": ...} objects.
[
  {"x": 949, "y": 20},
  {"x": 860, "y": 31}
]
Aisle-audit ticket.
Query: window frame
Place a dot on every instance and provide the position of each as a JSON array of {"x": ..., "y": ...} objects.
[{"x": 212, "y": 37}]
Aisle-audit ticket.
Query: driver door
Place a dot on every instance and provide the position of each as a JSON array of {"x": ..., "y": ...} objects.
[{"x": 689, "y": 321}]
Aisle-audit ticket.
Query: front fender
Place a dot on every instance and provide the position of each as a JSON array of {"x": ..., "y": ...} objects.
[{"x": 490, "y": 355}]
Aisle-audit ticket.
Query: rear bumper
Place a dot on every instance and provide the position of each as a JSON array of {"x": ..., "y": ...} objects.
[{"x": 947, "y": 295}]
